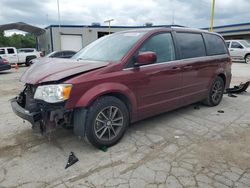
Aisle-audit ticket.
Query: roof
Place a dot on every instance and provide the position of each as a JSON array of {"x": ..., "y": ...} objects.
[
  {"x": 180, "y": 29},
  {"x": 23, "y": 27},
  {"x": 235, "y": 40},
  {"x": 230, "y": 25},
  {"x": 233, "y": 29},
  {"x": 96, "y": 26}
]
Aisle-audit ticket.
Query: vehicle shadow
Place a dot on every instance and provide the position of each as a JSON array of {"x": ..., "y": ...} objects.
[{"x": 7, "y": 72}]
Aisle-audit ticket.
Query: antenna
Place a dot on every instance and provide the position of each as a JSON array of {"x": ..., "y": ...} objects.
[
  {"x": 47, "y": 19},
  {"x": 59, "y": 17},
  {"x": 173, "y": 15},
  {"x": 59, "y": 21}
]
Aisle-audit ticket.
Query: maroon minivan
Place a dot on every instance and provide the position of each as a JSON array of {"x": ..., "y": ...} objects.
[{"x": 123, "y": 78}]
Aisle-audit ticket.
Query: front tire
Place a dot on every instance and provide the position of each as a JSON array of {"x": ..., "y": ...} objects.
[
  {"x": 247, "y": 59},
  {"x": 107, "y": 121},
  {"x": 215, "y": 92}
]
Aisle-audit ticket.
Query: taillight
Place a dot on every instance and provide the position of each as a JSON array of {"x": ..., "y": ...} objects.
[{"x": 5, "y": 61}]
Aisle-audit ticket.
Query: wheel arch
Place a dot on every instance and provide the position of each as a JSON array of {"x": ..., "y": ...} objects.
[
  {"x": 223, "y": 76},
  {"x": 30, "y": 57},
  {"x": 123, "y": 98},
  {"x": 110, "y": 89},
  {"x": 246, "y": 55}
]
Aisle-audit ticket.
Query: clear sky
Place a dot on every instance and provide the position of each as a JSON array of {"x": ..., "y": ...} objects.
[{"x": 192, "y": 13}]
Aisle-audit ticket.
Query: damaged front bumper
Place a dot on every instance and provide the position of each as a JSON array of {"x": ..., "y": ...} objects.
[
  {"x": 31, "y": 117},
  {"x": 42, "y": 115}
]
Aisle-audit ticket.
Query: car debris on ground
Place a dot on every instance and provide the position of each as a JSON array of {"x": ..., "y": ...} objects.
[
  {"x": 72, "y": 160},
  {"x": 242, "y": 87}
]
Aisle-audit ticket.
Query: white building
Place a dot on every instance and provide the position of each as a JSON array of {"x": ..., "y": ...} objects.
[
  {"x": 234, "y": 31},
  {"x": 75, "y": 37}
]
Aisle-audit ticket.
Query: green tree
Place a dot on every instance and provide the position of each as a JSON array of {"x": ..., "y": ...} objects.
[
  {"x": 18, "y": 40},
  {"x": 3, "y": 40}
]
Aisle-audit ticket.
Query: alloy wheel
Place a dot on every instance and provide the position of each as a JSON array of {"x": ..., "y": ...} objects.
[
  {"x": 247, "y": 59},
  {"x": 217, "y": 91},
  {"x": 108, "y": 123}
]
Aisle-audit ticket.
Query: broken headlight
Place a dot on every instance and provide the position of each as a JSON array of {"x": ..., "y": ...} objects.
[{"x": 53, "y": 93}]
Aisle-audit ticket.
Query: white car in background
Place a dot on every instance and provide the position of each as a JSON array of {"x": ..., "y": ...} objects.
[
  {"x": 239, "y": 50},
  {"x": 20, "y": 56},
  {"x": 56, "y": 54}
]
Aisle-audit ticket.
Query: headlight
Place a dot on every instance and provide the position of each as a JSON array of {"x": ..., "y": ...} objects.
[{"x": 53, "y": 93}]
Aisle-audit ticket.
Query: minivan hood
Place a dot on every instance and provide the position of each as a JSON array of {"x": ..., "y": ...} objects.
[{"x": 54, "y": 69}]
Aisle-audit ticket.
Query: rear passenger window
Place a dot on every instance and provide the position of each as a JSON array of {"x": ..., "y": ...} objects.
[
  {"x": 162, "y": 45},
  {"x": 215, "y": 45},
  {"x": 191, "y": 45},
  {"x": 57, "y": 54}
]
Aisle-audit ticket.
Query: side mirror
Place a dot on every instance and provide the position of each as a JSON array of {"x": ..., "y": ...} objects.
[{"x": 145, "y": 58}]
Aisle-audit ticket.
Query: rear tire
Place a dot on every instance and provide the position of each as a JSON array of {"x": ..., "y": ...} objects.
[
  {"x": 247, "y": 59},
  {"x": 215, "y": 92},
  {"x": 28, "y": 59},
  {"x": 27, "y": 63},
  {"x": 107, "y": 121}
]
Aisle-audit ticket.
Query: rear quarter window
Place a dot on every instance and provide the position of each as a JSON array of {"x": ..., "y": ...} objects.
[
  {"x": 215, "y": 44},
  {"x": 191, "y": 45}
]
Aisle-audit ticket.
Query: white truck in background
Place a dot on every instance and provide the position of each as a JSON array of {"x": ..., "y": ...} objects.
[{"x": 20, "y": 56}]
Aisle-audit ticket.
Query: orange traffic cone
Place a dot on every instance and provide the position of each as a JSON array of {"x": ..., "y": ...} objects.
[{"x": 16, "y": 66}]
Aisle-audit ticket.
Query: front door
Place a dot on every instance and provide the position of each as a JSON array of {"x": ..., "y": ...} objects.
[
  {"x": 237, "y": 51},
  {"x": 160, "y": 86},
  {"x": 12, "y": 56}
]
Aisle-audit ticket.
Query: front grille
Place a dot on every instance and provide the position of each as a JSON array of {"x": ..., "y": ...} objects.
[
  {"x": 30, "y": 90},
  {"x": 30, "y": 103}
]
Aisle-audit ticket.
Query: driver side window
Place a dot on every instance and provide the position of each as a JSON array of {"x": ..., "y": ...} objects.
[
  {"x": 236, "y": 45},
  {"x": 162, "y": 45}
]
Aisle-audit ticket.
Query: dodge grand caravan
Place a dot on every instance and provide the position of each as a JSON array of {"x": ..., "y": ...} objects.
[{"x": 123, "y": 78}]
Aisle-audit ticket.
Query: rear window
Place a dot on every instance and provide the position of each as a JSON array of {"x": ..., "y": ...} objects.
[
  {"x": 215, "y": 45},
  {"x": 25, "y": 50},
  {"x": 191, "y": 45}
]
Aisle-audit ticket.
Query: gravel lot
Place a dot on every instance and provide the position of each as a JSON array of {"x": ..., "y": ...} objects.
[{"x": 183, "y": 148}]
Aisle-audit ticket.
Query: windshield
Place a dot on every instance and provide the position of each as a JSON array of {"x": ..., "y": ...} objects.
[
  {"x": 50, "y": 54},
  {"x": 109, "y": 48},
  {"x": 245, "y": 43}
]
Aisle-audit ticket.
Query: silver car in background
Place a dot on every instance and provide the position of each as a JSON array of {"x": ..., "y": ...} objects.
[{"x": 239, "y": 50}]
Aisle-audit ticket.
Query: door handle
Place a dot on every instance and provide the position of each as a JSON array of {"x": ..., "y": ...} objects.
[
  {"x": 231, "y": 50},
  {"x": 188, "y": 67},
  {"x": 176, "y": 68}
]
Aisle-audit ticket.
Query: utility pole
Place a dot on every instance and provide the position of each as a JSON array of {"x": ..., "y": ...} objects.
[
  {"x": 108, "y": 21},
  {"x": 212, "y": 17},
  {"x": 59, "y": 21}
]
